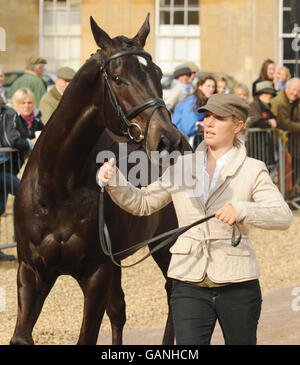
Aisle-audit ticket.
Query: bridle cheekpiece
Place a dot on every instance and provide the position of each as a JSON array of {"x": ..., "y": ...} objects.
[{"x": 126, "y": 117}]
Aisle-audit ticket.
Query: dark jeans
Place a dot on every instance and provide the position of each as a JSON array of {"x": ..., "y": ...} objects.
[
  {"x": 9, "y": 184},
  {"x": 195, "y": 310}
]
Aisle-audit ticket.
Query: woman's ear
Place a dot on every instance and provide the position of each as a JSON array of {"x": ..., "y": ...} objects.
[{"x": 238, "y": 126}]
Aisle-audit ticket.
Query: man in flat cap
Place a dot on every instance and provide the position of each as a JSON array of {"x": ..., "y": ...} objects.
[
  {"x": 286, "y": 107},
  {"x": 51, "y": 99},
  {"x": 31, "y": 79},
  {"x": 182, "y": 87}
]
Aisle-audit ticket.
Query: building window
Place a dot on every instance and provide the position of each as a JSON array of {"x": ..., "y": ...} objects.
[
  {"x": 287, "y": 35},
  {"x": 177, "y": 33},
  {"x": 60, "y": 33}
]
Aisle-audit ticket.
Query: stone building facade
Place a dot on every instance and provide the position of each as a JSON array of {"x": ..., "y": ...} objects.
[{"x": 231, "y": 36}]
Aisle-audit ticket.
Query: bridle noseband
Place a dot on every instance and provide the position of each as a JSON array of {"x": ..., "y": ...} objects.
[{"x": 126, "y": 117}]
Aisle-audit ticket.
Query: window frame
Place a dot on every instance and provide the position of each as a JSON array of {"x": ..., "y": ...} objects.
[
  {"x": 282, "y": 36},
  {"x": 59, "y": 34},
  {"x": 175, "y": 32}
]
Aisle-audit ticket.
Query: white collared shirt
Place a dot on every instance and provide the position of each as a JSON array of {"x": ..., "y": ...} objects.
[{"x": 207, "y": 188}]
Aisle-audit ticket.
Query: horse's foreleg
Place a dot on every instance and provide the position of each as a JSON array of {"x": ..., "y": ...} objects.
[
  {"x": 116, "y": 309},
  {"x": 32, "y": 292},
  {"x": 95, "y": 289}
]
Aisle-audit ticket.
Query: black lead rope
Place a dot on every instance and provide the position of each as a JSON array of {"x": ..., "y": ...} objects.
[{"x": 172, "y": 236}]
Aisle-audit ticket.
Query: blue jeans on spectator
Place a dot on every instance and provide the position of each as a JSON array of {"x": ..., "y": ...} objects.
[
  {"x": 9, "y": 184},
  {"x": 196, "y": 309}
]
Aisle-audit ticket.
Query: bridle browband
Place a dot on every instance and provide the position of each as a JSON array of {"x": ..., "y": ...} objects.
[{"x": 126, "y": 117}]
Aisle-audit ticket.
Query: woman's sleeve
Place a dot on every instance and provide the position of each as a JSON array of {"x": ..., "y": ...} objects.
[
  {"x": 267, "y": 209},
  {"x": 12, "y": 136},
  {"x": 144, "y": 201}
]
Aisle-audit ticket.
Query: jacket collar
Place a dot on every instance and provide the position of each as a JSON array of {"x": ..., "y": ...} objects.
[
  {"x": 55, "y": 93},
  {"x": 235, "y": 160}
]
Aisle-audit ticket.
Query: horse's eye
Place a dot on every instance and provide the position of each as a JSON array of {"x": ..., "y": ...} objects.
[{"x": 116, "y": 79}]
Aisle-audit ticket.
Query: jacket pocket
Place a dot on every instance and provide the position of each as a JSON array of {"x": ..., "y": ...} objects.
[
  {"x": 234, "y": 251},
  {"x": 183, "y": 245}
]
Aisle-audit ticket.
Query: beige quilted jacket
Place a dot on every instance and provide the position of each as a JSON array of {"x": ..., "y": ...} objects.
[{"x": 206, "y": 249}]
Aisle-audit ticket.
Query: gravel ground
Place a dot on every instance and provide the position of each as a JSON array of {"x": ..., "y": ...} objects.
[{"x": 59, "y": 323}]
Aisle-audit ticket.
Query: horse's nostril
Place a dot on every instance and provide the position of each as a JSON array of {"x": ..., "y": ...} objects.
[
  {"x": 179, "y": 145},
  {"x": 162, "y": 145},
  {"x": 170, "y": 144}
]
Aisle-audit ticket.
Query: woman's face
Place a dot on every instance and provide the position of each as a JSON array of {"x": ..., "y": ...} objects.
[
  {"x": 26, "y": 106},
  {"x": 219, "y": 132},
  {"x": 241, "y": 94},
  {"x": 271, "y": 71},
  {"x": 282, "y": 76},
  {"x": 266, "y": 97},
  {"x": 221, "y": 87},
  {"x": 208, "y": 88}
]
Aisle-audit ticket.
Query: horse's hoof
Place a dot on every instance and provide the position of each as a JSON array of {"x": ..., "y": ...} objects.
[{"x": 17, "y": 340}]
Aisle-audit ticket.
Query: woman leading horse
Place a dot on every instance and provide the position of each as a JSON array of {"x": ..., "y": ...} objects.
[{"x": 211, "y": 279}]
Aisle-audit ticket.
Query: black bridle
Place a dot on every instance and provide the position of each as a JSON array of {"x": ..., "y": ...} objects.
[{"x": 126, "y": 117}]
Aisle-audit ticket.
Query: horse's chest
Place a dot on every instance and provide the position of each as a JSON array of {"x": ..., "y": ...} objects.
[
  {"x": 70, "y": 223},
  {"x": 70, "y": 243}
]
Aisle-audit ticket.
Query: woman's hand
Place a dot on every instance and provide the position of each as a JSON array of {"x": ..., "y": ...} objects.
[
  {"x": 106, "y": 172},
  {"x": 272, "y": 123},
  {"x": 226, "y": 214}
]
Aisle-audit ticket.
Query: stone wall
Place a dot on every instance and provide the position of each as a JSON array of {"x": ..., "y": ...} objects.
[
  {"x": 19, "y": 19},
  {"x": 237, "y": 36}
]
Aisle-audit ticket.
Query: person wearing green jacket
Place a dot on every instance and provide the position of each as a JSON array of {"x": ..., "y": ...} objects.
[
  {"x": 286, "y": 106},
  {"x": 31, "y": 79}
]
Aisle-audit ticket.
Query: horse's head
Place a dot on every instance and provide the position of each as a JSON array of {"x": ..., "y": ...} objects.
[{"x": 132, "y": 93}]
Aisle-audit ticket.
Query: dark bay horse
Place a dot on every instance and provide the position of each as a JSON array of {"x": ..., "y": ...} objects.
[{"x": 57, "y": 204}]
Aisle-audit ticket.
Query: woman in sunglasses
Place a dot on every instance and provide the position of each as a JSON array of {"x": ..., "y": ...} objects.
[{"x": 212, "y": 280}]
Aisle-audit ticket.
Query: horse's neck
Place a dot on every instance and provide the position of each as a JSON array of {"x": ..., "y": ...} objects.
[{"x": 67, "y": 144}]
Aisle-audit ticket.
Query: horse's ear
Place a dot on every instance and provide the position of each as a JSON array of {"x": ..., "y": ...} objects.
[
  {"x": 142, "y": 34},
  {"x": 102, "y": 38}
]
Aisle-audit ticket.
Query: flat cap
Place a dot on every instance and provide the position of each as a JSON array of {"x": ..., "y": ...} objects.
[
  {"x": 193, "y": 67},
  {"x": 225, "y": 105},
  {"x": 65, "y": 73},
  {"x": 265, "y": 87},
  {"x": 31, "y": 61},
  {"x": 182, "y": 69}
]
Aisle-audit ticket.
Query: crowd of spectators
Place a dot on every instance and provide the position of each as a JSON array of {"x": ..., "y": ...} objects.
[
  {"x": 24, "y": 110},
  {"x": 274, "y": 104}
]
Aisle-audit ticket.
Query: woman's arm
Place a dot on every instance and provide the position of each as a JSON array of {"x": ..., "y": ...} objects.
[
  {"x": 267, "y": 209},
  {"x": 11, "y": 134},
  {"x": 144, "y": 201}
]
